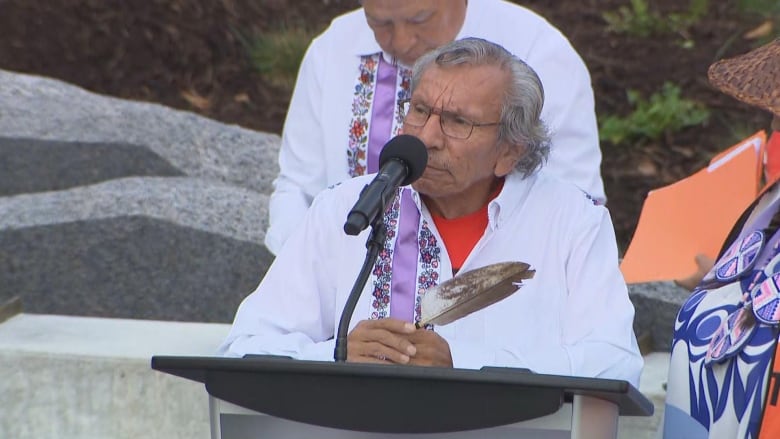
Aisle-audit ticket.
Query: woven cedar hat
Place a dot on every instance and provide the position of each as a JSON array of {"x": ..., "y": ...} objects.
[{"x": 753, "y": 78}]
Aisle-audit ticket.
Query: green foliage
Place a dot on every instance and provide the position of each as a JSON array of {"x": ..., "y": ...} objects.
[
  {"x": 763, "y": 8},
  {"x": 277, "y": 54},
  {"x": 663, "y": 113},
  {"x": 767, "y": 11},
  {"x": 640, "y": 21}
]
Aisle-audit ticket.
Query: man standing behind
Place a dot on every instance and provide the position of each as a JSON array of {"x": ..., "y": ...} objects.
[
  {"x": 344, "y": 107},
  {"x": 481, "y": 200}
]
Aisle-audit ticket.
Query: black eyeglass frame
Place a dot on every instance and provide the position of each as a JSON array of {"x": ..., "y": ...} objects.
[{"x": 405, "y": 104}]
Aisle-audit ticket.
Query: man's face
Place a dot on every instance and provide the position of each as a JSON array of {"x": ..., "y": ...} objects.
[
  {"x": 462, "y": 172},
  {"x": 407, "y": 29}
]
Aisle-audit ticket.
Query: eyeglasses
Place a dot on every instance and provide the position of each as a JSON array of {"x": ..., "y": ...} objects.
[{"x": 452, "y": 124}]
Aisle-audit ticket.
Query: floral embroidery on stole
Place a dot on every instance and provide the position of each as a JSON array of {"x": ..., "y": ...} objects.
[
  {"x": 358, "y": 127},
  {"x": 404, "y": 92},
  {"x": 362, "y": 102},
  {"x": 428, "y": 263},
  {"x": 428, "y": 266}
]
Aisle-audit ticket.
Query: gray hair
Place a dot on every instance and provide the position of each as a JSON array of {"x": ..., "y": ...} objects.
[{"x": 521, "y": 111}]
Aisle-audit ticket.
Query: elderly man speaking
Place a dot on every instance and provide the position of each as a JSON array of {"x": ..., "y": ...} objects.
[{"x": 482, "y": 199}]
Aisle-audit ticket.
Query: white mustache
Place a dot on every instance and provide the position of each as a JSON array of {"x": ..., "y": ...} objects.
[{"x": 443, "y": 166}]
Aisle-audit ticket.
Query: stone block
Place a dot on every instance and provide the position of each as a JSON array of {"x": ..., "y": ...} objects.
[{"x": 656, "y": 305}]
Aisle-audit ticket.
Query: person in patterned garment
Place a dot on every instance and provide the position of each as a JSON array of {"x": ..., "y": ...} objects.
[
  {"x": 482, "y": 199},
  {"x": 723, "y": 376},
  {"x": 344, "y": 106}
]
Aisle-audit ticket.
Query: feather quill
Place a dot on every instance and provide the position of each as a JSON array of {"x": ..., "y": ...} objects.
[{"x": 471, "y": 291}]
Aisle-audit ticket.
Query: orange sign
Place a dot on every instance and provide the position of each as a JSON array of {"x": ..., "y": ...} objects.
[
  {"x": 694, "y": 215},
  {"x": 770, "y": 420}
]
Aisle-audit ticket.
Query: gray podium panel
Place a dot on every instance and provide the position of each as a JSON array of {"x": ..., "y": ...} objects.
[
  {"x": 272, "y": 397},
  {"x": 584, "y": 418}
]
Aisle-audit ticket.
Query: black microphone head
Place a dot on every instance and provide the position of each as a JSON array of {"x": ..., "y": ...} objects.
[{"x": 408, "y": 149}]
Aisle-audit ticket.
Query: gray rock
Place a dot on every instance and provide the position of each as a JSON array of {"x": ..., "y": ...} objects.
[
  {"x": 31, "y": 165},
  {"x": 656, "y": 305},
  {"x": 115, "y": 208},
  {"x": 233, "y": 212},
  {"x": 154, "y": 248},
  {"x": 130, "y": 267},
  {"x": 45, "y": 109}
]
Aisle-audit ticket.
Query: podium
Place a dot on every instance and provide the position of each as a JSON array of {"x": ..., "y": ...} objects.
[{"x": 266, "y": 396}]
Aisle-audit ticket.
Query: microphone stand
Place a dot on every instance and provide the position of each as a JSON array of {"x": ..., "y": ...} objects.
[{"x": 375, "y": 242}]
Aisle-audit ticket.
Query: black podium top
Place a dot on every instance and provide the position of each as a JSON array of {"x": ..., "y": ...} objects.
[{"x": 393, "y": 399}]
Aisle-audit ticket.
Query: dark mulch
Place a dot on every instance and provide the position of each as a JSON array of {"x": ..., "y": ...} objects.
[{"x": 187, "y": 54}]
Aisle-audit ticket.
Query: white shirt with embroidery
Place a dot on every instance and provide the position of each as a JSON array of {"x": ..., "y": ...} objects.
[
  {"x": 317, "y": 130},
  {"x": 573, "y": 318}
]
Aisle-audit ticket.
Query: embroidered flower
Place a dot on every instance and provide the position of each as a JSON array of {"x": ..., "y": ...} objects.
[
  {"x": 430, "y": 254},
  {"x": 358, "y": 126},
  {"x": 403, "y": 94},
  {"x": 427, "y": 269},
  {"x": 371, "y": 62},
  {"x": 383, "y": 268}
]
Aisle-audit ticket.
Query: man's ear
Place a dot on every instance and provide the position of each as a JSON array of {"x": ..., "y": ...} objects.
[{"x": 507, "y": 159}]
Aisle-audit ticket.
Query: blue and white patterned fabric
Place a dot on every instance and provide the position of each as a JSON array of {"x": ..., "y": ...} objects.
[{"x": 722, "y": 354}]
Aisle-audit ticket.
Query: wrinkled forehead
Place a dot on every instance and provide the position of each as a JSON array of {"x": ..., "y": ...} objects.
[{"x": 465, "y": 89}]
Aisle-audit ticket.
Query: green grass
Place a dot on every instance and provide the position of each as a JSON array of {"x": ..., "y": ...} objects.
[
  {"x": 767, "y": 12},
  {"x": 664, "y": 112},
  {"x": 764, "y": 8},
  {"x": 639, "y": 20},
  {"x": 277, "y": 54}
]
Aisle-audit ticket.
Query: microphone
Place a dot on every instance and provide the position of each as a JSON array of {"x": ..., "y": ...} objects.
[{"x": 402, "y": 161}]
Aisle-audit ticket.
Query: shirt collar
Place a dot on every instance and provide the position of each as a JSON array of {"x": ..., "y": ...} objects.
[{"x": 512, "y": 196}]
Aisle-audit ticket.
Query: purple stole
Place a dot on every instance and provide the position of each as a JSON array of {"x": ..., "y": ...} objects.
[
  {"x": 408, "y": 265},
  {"x": 401, "y": 270},
  {"x": 379, "y": 86}
]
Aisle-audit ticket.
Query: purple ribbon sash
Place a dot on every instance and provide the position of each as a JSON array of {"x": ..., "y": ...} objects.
[
  {"x": 404, "y": 280},
  {"x": 382, "y": 113}
]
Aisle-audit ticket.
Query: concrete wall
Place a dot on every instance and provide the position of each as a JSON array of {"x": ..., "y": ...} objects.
[{"x": 77, "y": 378}]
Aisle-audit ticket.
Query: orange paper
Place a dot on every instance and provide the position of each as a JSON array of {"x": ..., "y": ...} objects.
[{"x": 693, "y": 215}]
